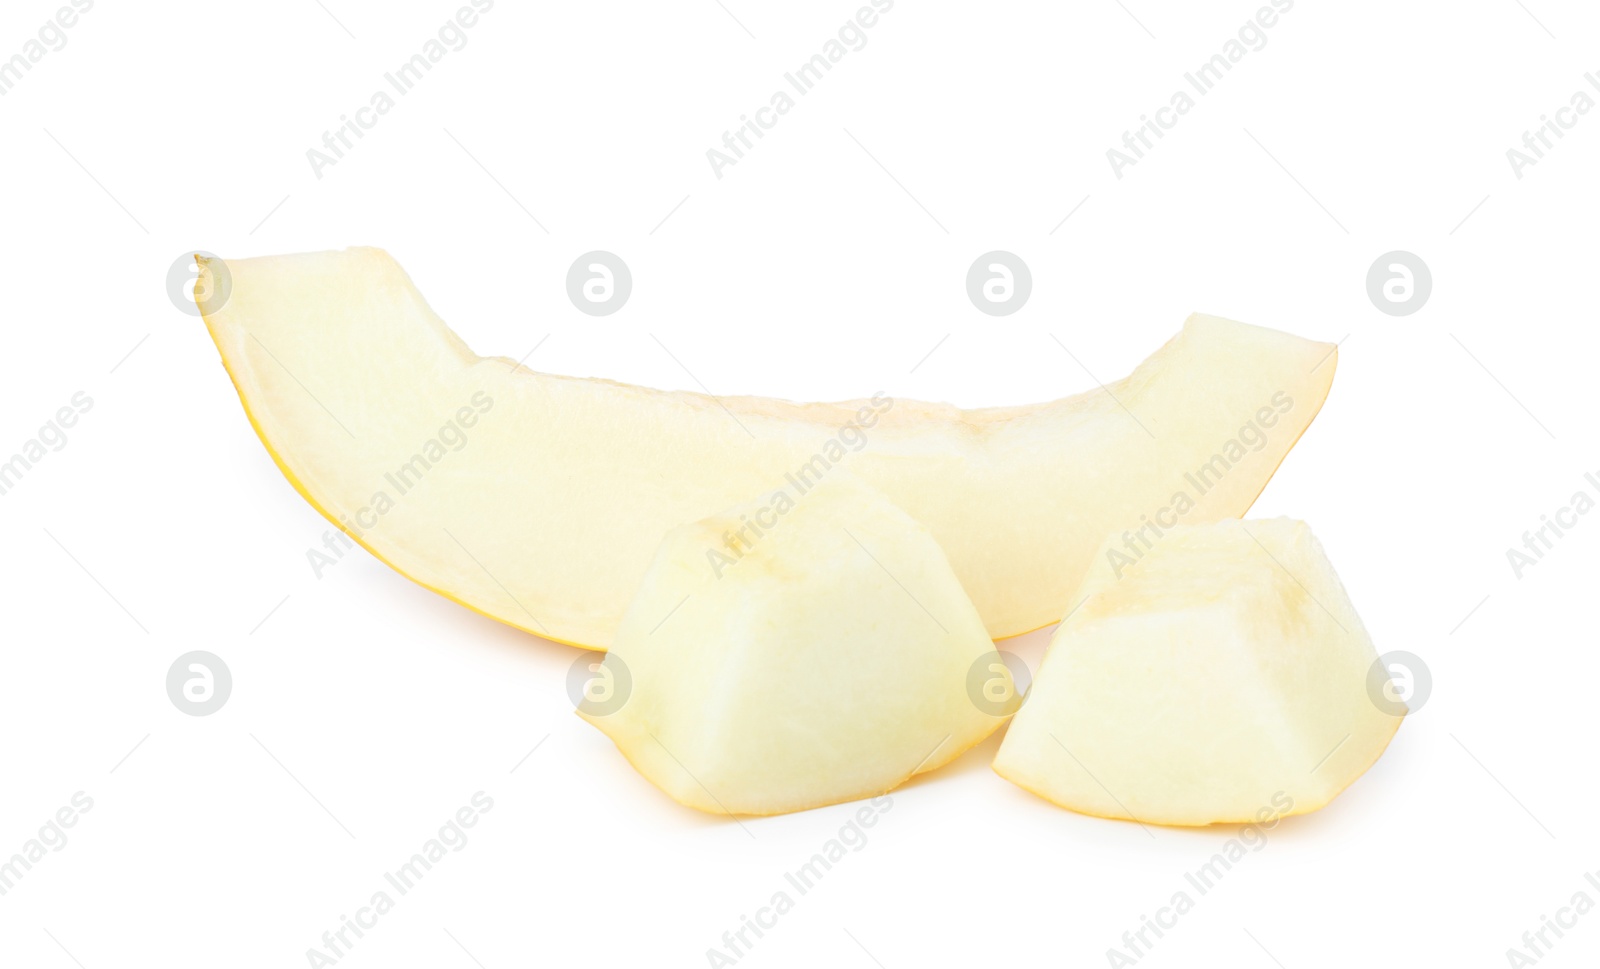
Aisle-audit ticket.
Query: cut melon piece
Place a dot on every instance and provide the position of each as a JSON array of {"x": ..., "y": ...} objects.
[
  {"x": 538, "y": 500},
  {"x": 1218, "y": 675},
  {"x": 822, "y": 658}
]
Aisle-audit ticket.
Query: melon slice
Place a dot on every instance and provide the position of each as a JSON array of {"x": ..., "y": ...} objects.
[
  {"x": 821, "y": 657},
  {"x": 1218, "y": 675},
  {"x": 538, "y": 500}
]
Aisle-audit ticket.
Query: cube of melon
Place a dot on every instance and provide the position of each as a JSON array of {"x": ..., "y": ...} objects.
[
  {"x": 804, "y": 649},
  {"x": 1212, "y": 673}
]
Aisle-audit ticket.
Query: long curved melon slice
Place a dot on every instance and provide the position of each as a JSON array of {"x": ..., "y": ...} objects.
[{"x": 539, "y": 500}]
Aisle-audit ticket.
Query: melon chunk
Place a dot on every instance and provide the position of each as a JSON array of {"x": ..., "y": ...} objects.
[
  {"x": 823, "y": 657},
  {"x": 538, "y": 500},
  {"x": 1216, "y": 674}
]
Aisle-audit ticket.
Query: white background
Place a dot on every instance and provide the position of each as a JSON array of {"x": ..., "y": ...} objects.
[{"x": 824, "y": 265}]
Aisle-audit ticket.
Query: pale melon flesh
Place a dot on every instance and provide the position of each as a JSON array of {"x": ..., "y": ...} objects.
[
  {"x": 1215, "y": 674},
  {"x": 824, "y": 659},
  {"x": 538, "y": 500}
]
